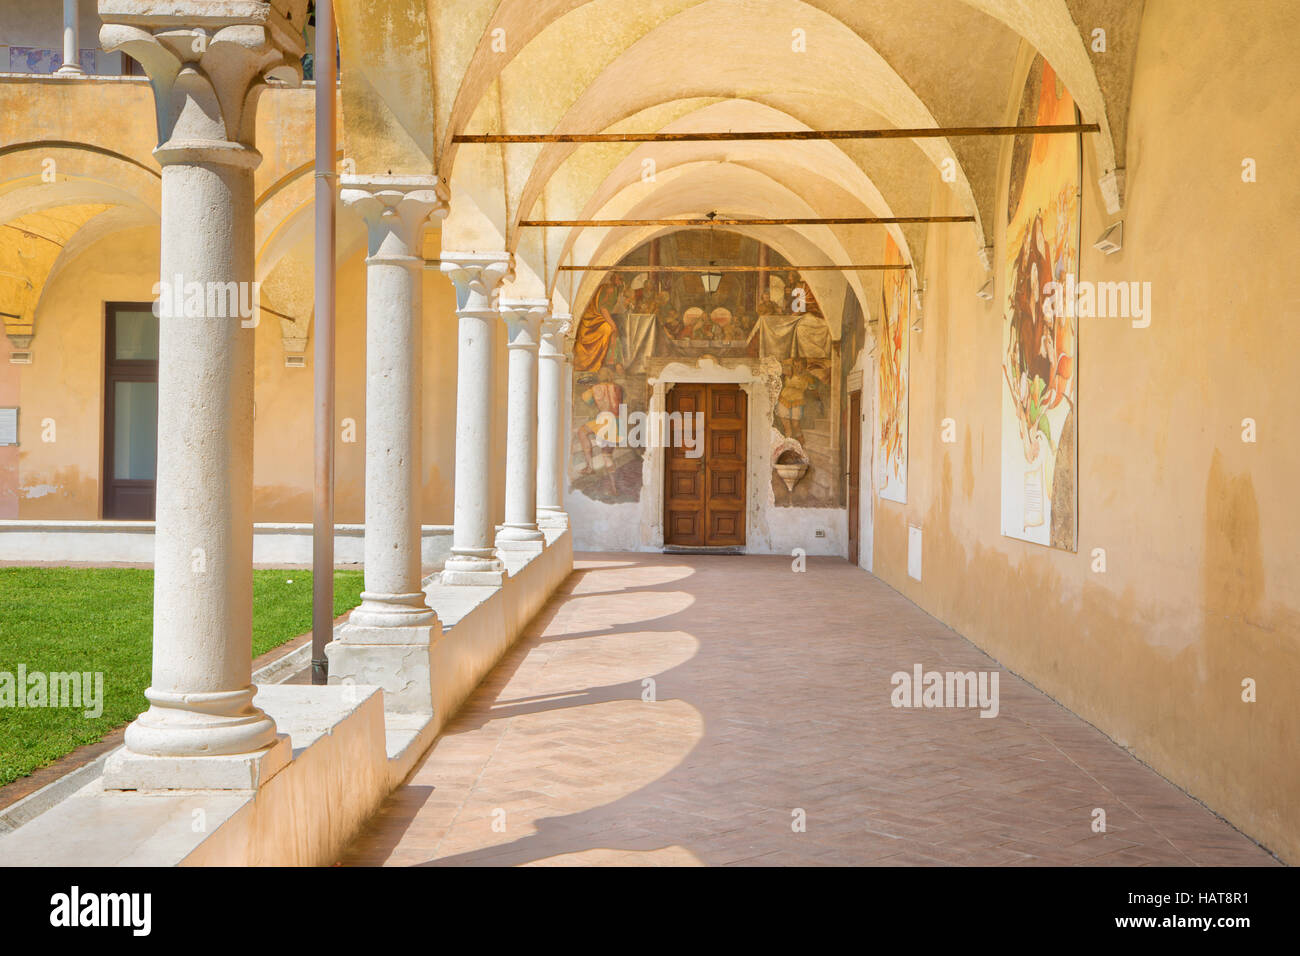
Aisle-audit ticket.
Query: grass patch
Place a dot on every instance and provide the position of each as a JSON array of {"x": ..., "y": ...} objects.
[{"x": 101, "y": 620}]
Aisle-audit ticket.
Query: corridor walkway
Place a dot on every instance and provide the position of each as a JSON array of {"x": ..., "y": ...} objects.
[{"x": 770, "y": 695}]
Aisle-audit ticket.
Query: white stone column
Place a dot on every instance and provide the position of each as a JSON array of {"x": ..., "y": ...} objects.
[
  {"x": 71, "y": 39},
  {"x": 552, "y": 434},
  {"x": 477, "y": 277},
  {"x": 389, "y": 638},
  {"x": 524, "y": 319},
  {"x": 202, "y": 730},
  {"x": 395, "y": 210},
  {"x": 568, "y": 417}
]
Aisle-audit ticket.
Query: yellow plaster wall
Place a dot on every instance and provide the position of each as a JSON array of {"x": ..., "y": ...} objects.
[
  {"x": 1199, "y": 528},
  {"x": 61, "y": 479},
  {"x": 64, "y": 385}
]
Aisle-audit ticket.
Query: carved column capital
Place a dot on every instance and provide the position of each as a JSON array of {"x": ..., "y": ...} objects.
[
  {"x": 555, "y": 328},
  {"x": 557, "y": 325},
  {"x": 477, "y": 277},
  {"x": 524, "y": 320},
  {"x": 208, "y": 63},
  {"x": 395, "y": 209}
]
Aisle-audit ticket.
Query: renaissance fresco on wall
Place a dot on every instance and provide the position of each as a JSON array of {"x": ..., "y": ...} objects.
[
  {"x": 894, "y": 351},
  {"x": 656, "y": 309},
  {"x": 1039, "y": 342}
]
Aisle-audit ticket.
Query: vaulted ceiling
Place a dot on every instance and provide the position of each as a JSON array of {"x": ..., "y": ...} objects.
[{"x": 418, "y": 73}]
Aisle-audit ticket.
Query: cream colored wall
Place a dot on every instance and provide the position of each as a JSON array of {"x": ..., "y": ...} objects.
[
  {"x": 1199, "y": 528},
  {"x": 61, "y": 480},
  {"x": 65, "y": 382}
]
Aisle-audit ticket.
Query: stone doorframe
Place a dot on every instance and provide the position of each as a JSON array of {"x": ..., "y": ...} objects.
[
  {"x": 863, "y": 377},
  {"x": 760, "y": 379}
]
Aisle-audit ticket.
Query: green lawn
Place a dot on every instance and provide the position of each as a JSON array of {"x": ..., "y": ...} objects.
[{"x": 101, "y": 620}]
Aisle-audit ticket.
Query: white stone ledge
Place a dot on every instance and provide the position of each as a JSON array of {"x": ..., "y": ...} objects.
[
  {"x": 348, "y": 755},
  {"x": 479, "y": 624},
  {"x": 131, "y": 542},
  {"x": 304, "y": 815}
]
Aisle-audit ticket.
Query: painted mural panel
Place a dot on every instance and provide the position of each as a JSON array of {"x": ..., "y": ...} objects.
[
  {"x": 1039, "y": 341},
  {"x": 656, "y": 309},
  {"x": 894, "y": 351}
]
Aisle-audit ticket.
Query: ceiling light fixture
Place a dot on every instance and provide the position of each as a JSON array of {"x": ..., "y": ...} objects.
[{"x": 711, "y": 279}]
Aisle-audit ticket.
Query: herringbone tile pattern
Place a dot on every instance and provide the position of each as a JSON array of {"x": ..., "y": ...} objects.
[{"x": 770, "y": 695}]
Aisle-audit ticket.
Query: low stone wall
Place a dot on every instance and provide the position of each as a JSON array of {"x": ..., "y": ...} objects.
[
  {"x": 349, "y": 753},
  {"x": 131, "y": 542}
]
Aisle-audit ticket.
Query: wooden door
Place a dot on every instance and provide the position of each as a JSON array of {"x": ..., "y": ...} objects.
[
  {"x": 854, "y": 476},
  {"x": 684, "y": 498},
  {"x": 724, "y": 428},
  {"x": 704, "y": 485}
]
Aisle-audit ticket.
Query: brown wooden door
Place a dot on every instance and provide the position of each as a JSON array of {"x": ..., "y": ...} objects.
[
  {"x": 704, "y": 485},
  {"x": 854, "y": 476},
  {"x": 724, "y": 427},
  {"x": 683, "y": 475}
]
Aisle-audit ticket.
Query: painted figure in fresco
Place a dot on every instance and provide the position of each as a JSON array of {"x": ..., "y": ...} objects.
[
  {"x": 602, "y": 434},
  {"x": 799, "y": 291},
  {"x": 597, "y": 342},
  {"x": 798, "y": 382},
  {"x": 891, "y": 377},
  {"x": 724, "y": 325},
  {"x": 1038, "y": 366},
  {"x": 693, "y": 323}
]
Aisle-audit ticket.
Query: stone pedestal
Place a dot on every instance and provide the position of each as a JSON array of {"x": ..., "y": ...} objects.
[
  {"x": 388, "y": 639},
  {"x": 477, "y": 277},
  {"x": 202, "y": 729},
  {"x": 552, "y": 432},
  {"x": 519, "y": 533},
  {"x": 395, "y": 210}
]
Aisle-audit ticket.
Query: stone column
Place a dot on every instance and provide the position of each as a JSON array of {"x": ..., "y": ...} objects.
[
  {"x": 568, "y": 417},
  {"x": 552, "y": 435},
  {"x": 202, "y": 730},
  {"x": 477, "y": 277},
  {"x": 395, "y": 210},
  {"x": 388, "y": 639},
  {"x": 71, "y": 39},
  {"x": 524, "y": 319}
]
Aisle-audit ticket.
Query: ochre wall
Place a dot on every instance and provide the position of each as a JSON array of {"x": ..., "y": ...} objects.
[
  {"x": 65, "y": 382},
  {"x": 1200, "y": 529},
  {"x": 61, "y": 480}
]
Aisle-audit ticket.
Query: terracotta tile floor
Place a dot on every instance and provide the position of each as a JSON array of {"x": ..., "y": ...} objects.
[{"x": 771, "y": 694}]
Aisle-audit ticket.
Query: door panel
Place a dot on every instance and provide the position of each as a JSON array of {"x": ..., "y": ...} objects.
[
  {"x": 725, "y": 426},
  {"x": 854, "y": 445},
  {"x": 684, "y": 477},
  {"x": 704, "y": 497}
]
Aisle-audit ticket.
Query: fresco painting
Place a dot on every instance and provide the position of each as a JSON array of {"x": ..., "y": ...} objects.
[
  {"x": 654, "y": 310},
  {"x": 1039, "y": 362},
  {"x": 894, "y": 352}
]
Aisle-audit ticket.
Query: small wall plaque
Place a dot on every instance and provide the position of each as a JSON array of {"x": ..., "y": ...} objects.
[{"x": 8, "y": 426}]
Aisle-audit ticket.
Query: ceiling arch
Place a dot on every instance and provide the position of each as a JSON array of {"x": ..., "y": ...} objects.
[
  {"x": 823, "y": 178},
  {"x": 845, "y": 79},
  {"x": 751, "y": 192}
]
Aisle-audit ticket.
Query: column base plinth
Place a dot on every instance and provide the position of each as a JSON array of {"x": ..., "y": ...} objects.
[
  {"x": 397, "y": 659},
  {"x": 478, "y": 569},
  {"x": 552, "y": 519},
  {"x": 527, "y": 539},
  {"x": 127, "y": 770},
  {"x": 393, "y": 611}
]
